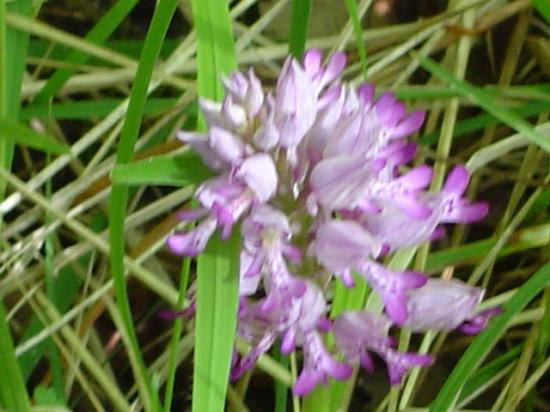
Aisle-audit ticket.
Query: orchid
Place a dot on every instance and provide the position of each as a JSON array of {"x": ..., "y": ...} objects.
[{"x": 315, "y": 173}]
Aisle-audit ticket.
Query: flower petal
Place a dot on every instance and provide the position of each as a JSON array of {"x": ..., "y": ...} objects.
[
  {"x": 343, "y": 244},
  {"x": 258, "y": 172},
  {"x": 340, "y": 182},
  {"x": 227, "y": 145},
  {"x": 441, "y": 305},
  {"x": 193, "y": 242}
]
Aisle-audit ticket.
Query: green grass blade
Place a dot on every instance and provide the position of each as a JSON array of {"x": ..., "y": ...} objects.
[
  {"x": 280, "y": 389},
  {"x": 218, "y": 268},
  {"x": 353, "y": 13},
  {"x": 216, "y": 320},
  {"x": 543, "y": 340},
  {"x": 528, "y": 238},
  {"x": 543, "y": 7},
  {"x": 299, "y": 24},
  {"x": 215, "y": 46},
  {"x": 13, "y": 49},
  {"x": 484, "y": 374},
  {"x": 482, "y": 344},
  {"x": 162, "y": 16},
  {"x": 481, "y": 121},
  {"x": 13, "y": 395},
  {"x": 345, "y": 299},
  {"x": 176, "y": 333},
  {"x": 82, "y": 109},
  {"x": 487, "y": 102},
  {"x": 16, "y": 132},
  {"x": 53, "y": 286},
  {"x": 179, "y": 170},
  {"x": 98, "y": 34}
]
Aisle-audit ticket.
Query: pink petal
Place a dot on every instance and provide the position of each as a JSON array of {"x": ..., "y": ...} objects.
[
  {"x": 411, "y": 124},
  {"x": 457, "y": 181},
  {"x": 312, "y": 61},
  {"x": 259, "y": 173},
  {"x": 228, "y": 146}
]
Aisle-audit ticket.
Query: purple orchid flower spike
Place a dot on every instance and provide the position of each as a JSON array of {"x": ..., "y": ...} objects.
[{"x": 316, "y": 172}]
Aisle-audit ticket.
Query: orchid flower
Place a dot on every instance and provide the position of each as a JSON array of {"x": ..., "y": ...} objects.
[{"x": 315, "y": 174}]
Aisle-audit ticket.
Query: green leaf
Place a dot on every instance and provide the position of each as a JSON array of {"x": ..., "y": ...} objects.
[
  {"x": 13, "y": 395},
  {"x": 47, "y": 396},
  {"x": 118, "y": 200},
  {"x": 487, "y": 372},
  {"x": 216, "y": 320},
  {"x": 543, "y": 7},
  {"x": 484, "y": 342},
  {"x": 21, "y": 134},
  {"x": 215, "y": 46},
  {"x": 299, "y": 23},
  {"x": 487, "y": 102},
  {"x": 180, "y": 170},
  {"x": 87, "y": 109},
  {"x": 13, "y": 49},
  {"x": 217, "y": 270}
]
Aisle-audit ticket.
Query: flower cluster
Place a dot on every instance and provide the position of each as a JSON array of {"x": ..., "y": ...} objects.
[{"x": 315, "y": 172}]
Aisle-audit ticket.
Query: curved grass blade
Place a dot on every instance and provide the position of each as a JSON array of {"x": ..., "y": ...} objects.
[
  {"x": 218, "y": 267},
  {"x": 179, "y": 170},
  {"x": 487, "y": 102},
  {"x": 162, "y": 16},
  {"x": 482, "y": 344},
  {"x": 299, "y": 23},
  {"x": 19, "y": 133}
]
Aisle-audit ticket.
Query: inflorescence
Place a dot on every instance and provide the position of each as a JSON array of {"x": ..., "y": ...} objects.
[{"x": 313, "y": 171}]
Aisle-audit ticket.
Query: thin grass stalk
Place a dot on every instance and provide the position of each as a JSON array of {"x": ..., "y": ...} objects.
[
  {"x": 176, "y": 333},
  {"x": 98, "y": 34}
]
